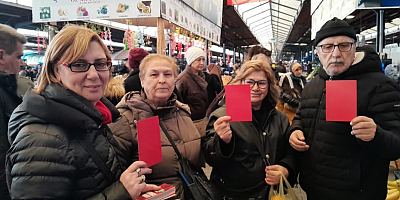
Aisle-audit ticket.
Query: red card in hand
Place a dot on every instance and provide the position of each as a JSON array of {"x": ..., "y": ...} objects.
[
  {"x": 149, "y": 141},
  {"x": 341, "y": 100},
  {"x": 238, "y": 102}
]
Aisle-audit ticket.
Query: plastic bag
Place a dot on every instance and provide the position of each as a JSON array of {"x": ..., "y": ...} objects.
[{"x": 282, "y": 193}]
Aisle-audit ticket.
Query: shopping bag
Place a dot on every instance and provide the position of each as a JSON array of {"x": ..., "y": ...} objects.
[{"x": 283, "y": 192}]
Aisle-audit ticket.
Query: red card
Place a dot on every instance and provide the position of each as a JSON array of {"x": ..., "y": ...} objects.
[
  {"x": 341, "y": 100},
  {"x": 149, "y": 141},
  {"x": 238, "y": 102}
]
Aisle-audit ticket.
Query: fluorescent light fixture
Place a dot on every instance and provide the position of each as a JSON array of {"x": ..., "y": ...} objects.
[{"x": 350, "y": 17}]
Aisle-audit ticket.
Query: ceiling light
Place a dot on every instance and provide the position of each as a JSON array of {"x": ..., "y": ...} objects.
[{"x": 350, "y": 17}]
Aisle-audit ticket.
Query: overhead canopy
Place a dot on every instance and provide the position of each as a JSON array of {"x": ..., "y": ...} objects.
[
  {"x": 234, "y": 32},
  {"x": 271, "y": 21}
]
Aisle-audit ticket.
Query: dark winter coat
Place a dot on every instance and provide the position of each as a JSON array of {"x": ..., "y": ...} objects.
[
  {"x": 8, "y": 102},
  {"x": 47, "y": 160},
  {"x": 214, "y": 86},
  {"x": 175, "y": 116},
  {"x": 132, "y": 82},
  {"x": 338, "y": 165},
  {"x": 193, "y": 90},
  {"x": 238, "y": 168}
]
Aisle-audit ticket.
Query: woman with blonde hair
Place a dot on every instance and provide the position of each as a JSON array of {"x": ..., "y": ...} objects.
[
  {"x": 115, "y": 90},
  {"x": 157, "y": 76},
  {"x": 248, "y": 157},
  {"x": 61, "y": 146}
]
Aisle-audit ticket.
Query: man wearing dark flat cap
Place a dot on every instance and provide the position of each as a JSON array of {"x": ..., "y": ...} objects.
[{"x": 342, "y": 160}]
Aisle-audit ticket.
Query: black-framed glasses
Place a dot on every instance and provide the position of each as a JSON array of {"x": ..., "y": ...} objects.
[
  {"x": 261, "y": 84},
  {"x": 82, "y": 66},
  {"x": 343, "y": 47}
]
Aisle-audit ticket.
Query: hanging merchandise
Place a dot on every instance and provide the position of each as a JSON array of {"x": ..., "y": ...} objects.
[
  {"x": 228, "y": 60},
  {"x": 149, "y": 40},
  {"x": 109, "y": 39},
  {"x": 102, "y": 35},
  {"x": 209, "y": 55},
  {"x": 38, "y": 41},
  {"x": 140, "y": 39},
  {"x": 179, "y": 50},
  {"x": 173, "y": 44},
  {"x": 129, "y": 39},
  {"x": 186, "y": 43},
  {"x": 44, "y": 43}
]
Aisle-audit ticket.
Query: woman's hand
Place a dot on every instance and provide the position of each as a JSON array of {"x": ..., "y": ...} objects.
[
  {"x": 273, "y": 174},
  {"x": 223, "y": 129},
  {"x": 133, "y": 179}
]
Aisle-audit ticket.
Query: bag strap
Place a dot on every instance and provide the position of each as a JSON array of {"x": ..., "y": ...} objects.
[
  {"x": 171, "y": 141},
  {"x": 87, "y": 145}
]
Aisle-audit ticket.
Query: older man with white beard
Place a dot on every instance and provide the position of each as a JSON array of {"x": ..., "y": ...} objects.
[{"x": 341, "y": 160}]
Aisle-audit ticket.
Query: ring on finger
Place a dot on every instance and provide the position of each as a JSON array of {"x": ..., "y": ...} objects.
[
  {"x": 141, "y": 179},
  {"x": 138, "y": 170}
]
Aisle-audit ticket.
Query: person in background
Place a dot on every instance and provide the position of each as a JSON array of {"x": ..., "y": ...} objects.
[
  {"x": 214, "y": 82},
  {"x": 115, "y": 90},
  {"x": 24, "y": 84},
  {"x": 157, "y": 76},
  {"x": 216, "y": 70},
  {"x": 347, "y": 160},
  {"x": 257, "y": 50},
  {"x": 11, "y": 51},
  {"x": 292, "y": 84},
  {"x": 247, "y": 157},
  {"x": 279, "y": 69},
  {"x": 192, "y": 87},
  {"x": 61, "y": 146},
  {"x": 132, "y": 82}
]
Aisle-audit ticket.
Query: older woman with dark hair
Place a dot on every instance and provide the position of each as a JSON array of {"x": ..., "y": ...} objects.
[
  {"x": 157, "y": 75},
  {"x": 61, "y": 146},
  {"x": 248, "y": 157}
]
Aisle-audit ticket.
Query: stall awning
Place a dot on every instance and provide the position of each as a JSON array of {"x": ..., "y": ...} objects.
[{"x": 271, "y": 21}]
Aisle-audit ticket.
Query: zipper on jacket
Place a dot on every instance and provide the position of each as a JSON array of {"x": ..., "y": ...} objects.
[{"x": 263, "y": 140}]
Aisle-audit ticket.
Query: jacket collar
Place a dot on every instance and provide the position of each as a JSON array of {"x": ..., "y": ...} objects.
[
  {"x": 366, "y": 61},
  {"x": 66, "y": 108},
  {"x": 138, "y": 101}
]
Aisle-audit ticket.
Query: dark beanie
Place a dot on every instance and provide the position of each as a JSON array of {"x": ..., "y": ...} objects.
[
  {"x": 136, "y": 55},
  {"x": 335, "y": 27}
]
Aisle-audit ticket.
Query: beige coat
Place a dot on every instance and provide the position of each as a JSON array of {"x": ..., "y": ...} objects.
[{"x": 175, "y": 116}]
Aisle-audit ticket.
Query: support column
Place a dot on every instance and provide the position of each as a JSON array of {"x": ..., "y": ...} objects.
[
  {"x": 160, "y": 36},
  {"x": 377, "y": 32},
  {"x": 223, "y": 54},
  {"x": 381, "y": 30}
]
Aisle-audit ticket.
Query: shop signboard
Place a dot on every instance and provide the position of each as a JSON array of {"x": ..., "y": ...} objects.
[
  {"x": 71, "y": 10},
  {"x": 210, "y": 9},
  {"x": 179, "y": 13}
]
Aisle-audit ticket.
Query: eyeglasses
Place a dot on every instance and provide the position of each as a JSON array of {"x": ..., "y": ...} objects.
[
  {"x": 261, "y": 84},
  {"x": 82, "y": 66},
  {"x": 343, "y": 47}
]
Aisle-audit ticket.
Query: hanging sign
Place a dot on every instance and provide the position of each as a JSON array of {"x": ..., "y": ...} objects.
[{"x": 72, "y": 10}]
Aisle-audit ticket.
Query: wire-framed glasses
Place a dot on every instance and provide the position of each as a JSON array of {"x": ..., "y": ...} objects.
[{"x": 343, "y": 47}]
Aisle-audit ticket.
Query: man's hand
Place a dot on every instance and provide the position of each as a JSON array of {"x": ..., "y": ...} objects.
[
  {"x": 273, "y": 175},
  {"x": 297, "y": 139},
  {"x": 364, "y": 128},
  {"x": 223, "y": 129}
]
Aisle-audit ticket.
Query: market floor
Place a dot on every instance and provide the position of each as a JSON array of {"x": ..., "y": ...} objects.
[{"x": 297, "y": 189}]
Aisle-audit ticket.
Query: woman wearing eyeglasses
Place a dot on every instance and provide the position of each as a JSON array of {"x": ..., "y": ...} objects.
[
  {"x": 61, "y": 146},
  {"x": 247, "y": 157}
]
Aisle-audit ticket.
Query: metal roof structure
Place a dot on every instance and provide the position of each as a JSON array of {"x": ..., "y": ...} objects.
[{"x": 271, "y": 21}]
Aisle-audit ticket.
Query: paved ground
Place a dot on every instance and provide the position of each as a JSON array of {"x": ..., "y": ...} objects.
[{"x": 297, "y": 189}]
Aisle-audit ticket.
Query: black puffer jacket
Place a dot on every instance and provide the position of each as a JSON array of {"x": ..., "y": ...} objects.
[
  {"x": 46, "y": 159},
  {"x": 238, "y": 167},
  {"x": 337, "y": 165},
  {"x": 8, "y": 102}
]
